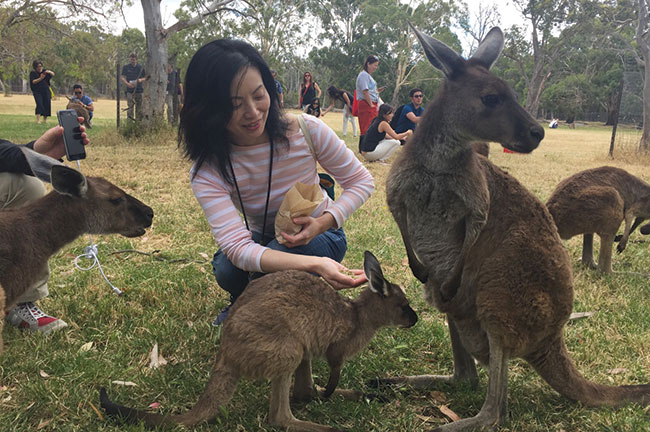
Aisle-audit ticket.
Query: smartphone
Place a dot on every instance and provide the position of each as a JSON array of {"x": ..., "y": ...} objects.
[{"x": 74, "y": 145}]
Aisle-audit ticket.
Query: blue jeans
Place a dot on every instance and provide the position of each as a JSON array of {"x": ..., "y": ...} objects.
[{"x": 332, "y": 243}]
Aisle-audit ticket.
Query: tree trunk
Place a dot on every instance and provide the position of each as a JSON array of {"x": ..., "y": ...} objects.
[
  {"x": 155, "y": 88},
  {"x": 644, "y": 144}
]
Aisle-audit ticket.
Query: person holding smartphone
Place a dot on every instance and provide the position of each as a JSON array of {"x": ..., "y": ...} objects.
[{"x": 18, "y": 187}]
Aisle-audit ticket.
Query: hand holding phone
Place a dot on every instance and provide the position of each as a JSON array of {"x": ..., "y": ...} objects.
[{"x": 72, "y": 138}]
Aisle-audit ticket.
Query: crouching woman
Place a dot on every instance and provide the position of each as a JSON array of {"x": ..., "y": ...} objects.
[
  {"x": 380, "y": 140},
  {"x": 247, "y": 153}
]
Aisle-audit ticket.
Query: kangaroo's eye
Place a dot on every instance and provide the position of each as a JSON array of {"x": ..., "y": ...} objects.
[
  {"x": 491, "y": 100},
  {"x": 116, "y": 201}
]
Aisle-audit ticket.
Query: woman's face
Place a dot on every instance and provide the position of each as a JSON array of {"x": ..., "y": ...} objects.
[
  {"x": 307, "y": 76},
  {"x": 39, "y": 68},
  {"x": 388, "y": 117},
  {"x": 372, "y": 67},
  {"x": 251, "y": 103}
]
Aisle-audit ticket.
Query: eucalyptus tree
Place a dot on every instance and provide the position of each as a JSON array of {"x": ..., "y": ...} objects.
[
  {"x": 643, "y": 43},
  {"x": 356, "y": 29},
  {"x": 544, "y": 18}
]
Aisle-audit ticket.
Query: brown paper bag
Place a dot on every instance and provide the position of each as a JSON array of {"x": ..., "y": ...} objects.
[{"x": 301, "y": 200}]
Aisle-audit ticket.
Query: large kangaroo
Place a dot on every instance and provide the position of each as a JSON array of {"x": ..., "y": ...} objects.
[
  {"x": 485, "y": 248},
  {"x": 31, "y": 234},
  {"x": 597, "y": 201},
  {"x": 278, "y": 324}
]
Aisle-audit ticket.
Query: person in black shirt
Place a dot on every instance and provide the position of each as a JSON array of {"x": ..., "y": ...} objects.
[
  {"x": 18, "y": 187},
  {"x": 133, "y": 76},
  {"x": 314, "y": 108},
  {"x": 39, "y": 83},
  {"x": 375, "y": 146},
  {"x": 175, "y": 96},
  {"x": 347, "y": 98}
]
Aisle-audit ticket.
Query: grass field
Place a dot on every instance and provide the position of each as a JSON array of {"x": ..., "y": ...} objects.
[{"x": 51, "y": 383}]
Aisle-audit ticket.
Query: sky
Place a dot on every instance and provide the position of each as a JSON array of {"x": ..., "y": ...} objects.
[{"x": 133, "y": 16}]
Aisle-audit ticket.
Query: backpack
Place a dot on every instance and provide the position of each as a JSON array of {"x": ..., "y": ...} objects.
[{"x": 396, "y": 116}]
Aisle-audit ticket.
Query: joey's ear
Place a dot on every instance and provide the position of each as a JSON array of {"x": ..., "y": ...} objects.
[
  {"x": 40, "y": 164},
  {"x": 439, "y": 54},
  {"x": 645, "y": 229},
  {"x": 375, "y": 276},
  {"x": 68, "y": 181},
  {"x": 489, "y": 48}
]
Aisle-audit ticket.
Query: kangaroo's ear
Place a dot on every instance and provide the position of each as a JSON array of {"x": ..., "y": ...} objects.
[
  {"x": 439, "y": 54},
  {"x": 375, "y": 276},
  {"x": 40, "y": 164},
  {"x": 68, "y": 181},
  {"x": 490, "y": 47}
]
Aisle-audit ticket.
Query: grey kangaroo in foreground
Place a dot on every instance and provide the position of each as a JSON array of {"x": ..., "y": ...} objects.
[
  {"x": 597, "y": 201},
  {"x": 486, "y": 250},
  {"x": 30, "y": 234},
  {"x": 280, "y": 322}
]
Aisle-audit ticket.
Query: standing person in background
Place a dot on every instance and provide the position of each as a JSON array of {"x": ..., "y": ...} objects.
[
  {"x": 174, "y": 94},
  {"x": 247, "y": 153},
  {"x": 375, "y": 146},
  {"x": 278, "y": 88},
  {"x": 411, "y": 113},
  {"x": 345, "y": 97},
  {"x": 133, "y": 76},
  {"x": 308, "y": 91},
  {"x": 82, "y": 98},
  {"x": 367, "y": 94},
  {"x": 39, "y": 83}
]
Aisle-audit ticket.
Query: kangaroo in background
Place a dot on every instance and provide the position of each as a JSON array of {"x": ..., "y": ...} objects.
[
  {"x": 597, "y": 201},
  {"x": 278, "y": 324},
  {"x": 31, "y": 234},
  {"x": 485, "y": 248}
]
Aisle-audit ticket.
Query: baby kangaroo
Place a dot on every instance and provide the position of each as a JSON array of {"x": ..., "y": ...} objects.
[
  {"x": 597, "y": 201},
  {"x": 279, "y": 323}
]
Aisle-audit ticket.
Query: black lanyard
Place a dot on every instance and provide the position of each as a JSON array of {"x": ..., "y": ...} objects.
[{"x": 268, "y": 193}]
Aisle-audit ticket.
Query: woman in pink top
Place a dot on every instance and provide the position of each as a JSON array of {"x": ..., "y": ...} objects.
[{"x": 247, "y": 154}]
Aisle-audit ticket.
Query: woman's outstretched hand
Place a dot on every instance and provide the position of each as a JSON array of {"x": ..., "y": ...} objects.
[{"x": 335, "y": 274}]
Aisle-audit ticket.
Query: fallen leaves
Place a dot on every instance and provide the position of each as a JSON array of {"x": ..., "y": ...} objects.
[
  {"x": 124, "y": 383},
  {"x": 156, "y": 360},
  {"x": 449, "y": 413}
]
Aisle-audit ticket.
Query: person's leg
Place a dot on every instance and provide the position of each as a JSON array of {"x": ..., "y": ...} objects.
[
  {"x": 170, "y": 108},
  {"x": 130, "y": 104},
  {"x": 332, "y": 243},
  {"x": 345, "y": 120},
  {"x": 138, "y": 106},
  {"x": 38, "y": 98},
  {"x": 383, "y": 151},
  {"x": 47, "y": 104},
  {"x": 17, "y": 190}
]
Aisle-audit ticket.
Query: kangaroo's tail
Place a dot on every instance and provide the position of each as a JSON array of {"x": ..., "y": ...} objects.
[
  {"x": 554, "y": 364},
  {"x": 218, "y": 391}
]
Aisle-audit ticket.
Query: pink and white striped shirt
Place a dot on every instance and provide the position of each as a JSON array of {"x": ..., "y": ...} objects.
[{"x": 296, "y": 164}]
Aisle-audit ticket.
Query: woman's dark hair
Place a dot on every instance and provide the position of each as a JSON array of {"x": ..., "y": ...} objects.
[
  {"x": 335, "y": 93},
  {"x": 36, "y": 63},
  {"x": 370, "y": 60},
  {"x": 384, "y": 109},
  {"x": 208, "y": 108},
  {"x": 315, "y": 100}
]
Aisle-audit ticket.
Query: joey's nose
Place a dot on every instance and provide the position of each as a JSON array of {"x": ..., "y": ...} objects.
[{"x": 537, "y": 132}]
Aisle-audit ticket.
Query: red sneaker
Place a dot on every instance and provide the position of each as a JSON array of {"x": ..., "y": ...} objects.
[{"x": 29, "y": 316}]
